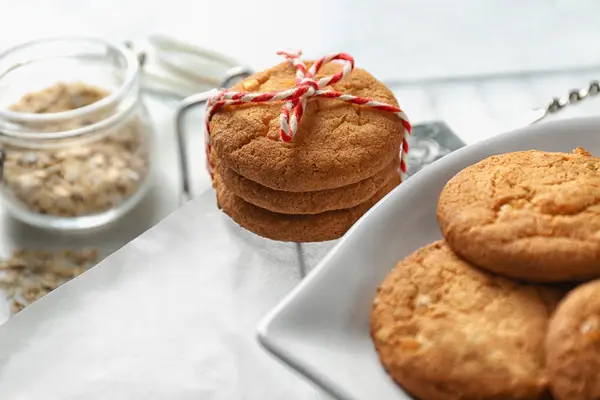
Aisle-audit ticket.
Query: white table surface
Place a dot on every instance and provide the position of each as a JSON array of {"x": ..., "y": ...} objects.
[{"x": 172, "y": 315}]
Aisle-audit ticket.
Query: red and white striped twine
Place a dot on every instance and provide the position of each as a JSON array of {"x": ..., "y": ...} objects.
[{"x": 296, "y": 98}]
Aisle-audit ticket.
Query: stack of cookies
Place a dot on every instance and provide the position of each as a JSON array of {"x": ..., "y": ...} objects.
[
  {"x": 483, "y": 314},
  {"x": 343, "y": 159}
]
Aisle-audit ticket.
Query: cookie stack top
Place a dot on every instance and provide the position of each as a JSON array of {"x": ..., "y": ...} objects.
[{"x": 337, "y": 143}]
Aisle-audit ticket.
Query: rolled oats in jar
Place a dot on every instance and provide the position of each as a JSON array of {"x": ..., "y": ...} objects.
[{"x": 76, "y": 146}]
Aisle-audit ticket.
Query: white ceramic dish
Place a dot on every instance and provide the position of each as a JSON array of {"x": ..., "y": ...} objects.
[{"x": 321, "y": 328}]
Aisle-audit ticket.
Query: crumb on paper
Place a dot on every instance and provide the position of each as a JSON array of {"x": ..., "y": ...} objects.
[
  {"x": 76, "y": 178},
  {"x": 31, "y": 274}
]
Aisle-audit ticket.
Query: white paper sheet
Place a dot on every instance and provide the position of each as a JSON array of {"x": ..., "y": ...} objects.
[{"x": 170, "y": 316}]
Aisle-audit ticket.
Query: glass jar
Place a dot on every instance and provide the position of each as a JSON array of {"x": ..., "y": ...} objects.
[{"x": 75, "y": 136}]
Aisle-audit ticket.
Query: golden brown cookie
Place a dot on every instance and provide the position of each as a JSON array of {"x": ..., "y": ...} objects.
[
  {"x": 445, "y": 330},
  {"x": 295, "y": 228},
  {"x": 530, "y": 215},
  {"x": 337, "y": 143},
  {"x": 305, "y": 202},
  {"x": 573, "y": 345}
]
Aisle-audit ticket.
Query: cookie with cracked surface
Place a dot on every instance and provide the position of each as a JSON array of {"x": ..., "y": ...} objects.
[
  {"x": 337, "y": 143},
  {"x": 328, "y": 225},
  {"x": 445, "y": 330},
  {"x": 314, "y": 202},
  {"x": 573, "y": 345},
  {"x": 530, "y": 215}
]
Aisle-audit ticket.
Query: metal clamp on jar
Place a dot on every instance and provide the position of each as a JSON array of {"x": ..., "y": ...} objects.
[
  {"x": 191, "y": 74},
  {"x": 75, "y": 135}
]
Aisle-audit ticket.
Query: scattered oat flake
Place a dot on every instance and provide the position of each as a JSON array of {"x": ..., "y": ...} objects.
[{"x": 31, "y": 274}]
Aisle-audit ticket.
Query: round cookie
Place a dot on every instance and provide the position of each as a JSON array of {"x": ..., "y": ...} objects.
[
  {"x": 530, "y": 215},
  {"x": 573, "y": 345},
  {"x": 337, "y": 143},
  {"x": 446, "y": 330},
  {"x": 295, "y": 228},
  {"x": 305, "y": 202}
]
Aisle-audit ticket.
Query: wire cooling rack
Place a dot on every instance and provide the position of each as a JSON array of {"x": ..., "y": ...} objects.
[{"x": 474, "y": 108}]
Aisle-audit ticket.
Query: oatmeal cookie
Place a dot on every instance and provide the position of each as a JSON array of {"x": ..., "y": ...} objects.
[
  {"x": 445, "y": 330},
  {"x": 314, "y": 202},
  {"x": 530, "y": 215},
  {"x": 295, "y": 228},
  {"x": 573, "y": 345}
]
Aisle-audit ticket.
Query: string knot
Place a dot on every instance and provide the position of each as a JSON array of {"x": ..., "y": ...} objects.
[
  {"x": 295, "y": 99},
  {"x": 311, "y": 86}
]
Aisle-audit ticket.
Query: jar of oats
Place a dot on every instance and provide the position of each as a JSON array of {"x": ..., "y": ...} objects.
[{"x": 75, "y": 137}]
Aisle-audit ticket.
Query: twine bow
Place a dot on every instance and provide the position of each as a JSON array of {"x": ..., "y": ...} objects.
[{"x": 295, "y": 100}]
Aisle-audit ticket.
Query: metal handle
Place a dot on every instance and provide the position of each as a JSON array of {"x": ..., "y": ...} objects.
[
  {"x": 233, "y": 75},
  {"x": 2, "y": 159},
  {"x": 184, "y": 106}
]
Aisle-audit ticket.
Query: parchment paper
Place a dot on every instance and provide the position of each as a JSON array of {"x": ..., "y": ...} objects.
[{"x": 172, "y": 315}]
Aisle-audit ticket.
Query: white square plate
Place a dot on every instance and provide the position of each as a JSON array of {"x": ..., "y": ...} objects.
[{"x": 321, "y": 328}]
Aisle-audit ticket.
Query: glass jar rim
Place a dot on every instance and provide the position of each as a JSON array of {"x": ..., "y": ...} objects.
[{"x": 131, "y": 73}]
